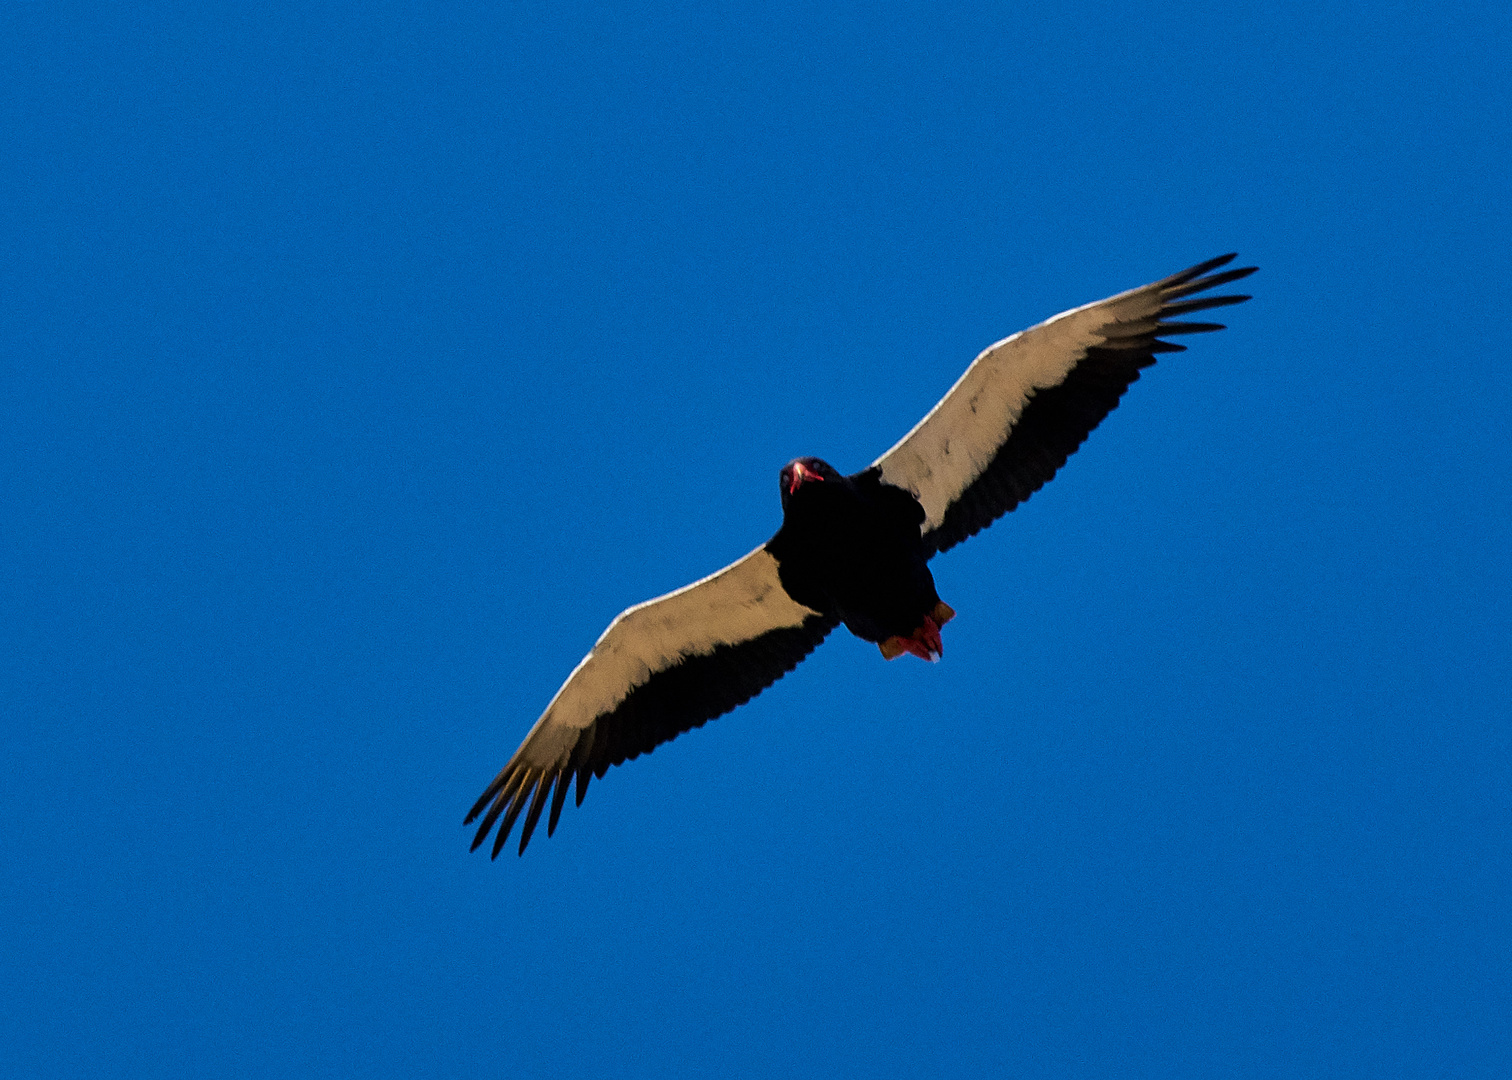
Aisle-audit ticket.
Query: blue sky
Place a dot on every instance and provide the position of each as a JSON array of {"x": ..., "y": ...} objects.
[{"x": 359, "y": 362}]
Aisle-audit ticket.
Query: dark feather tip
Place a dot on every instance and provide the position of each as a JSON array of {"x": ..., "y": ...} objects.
[
  {"x": 1188, "y": 328},
  {"x": 1201, "y": 268}
]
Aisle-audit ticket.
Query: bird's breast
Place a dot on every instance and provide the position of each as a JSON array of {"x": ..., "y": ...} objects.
[{"x": 850, "y": 555}]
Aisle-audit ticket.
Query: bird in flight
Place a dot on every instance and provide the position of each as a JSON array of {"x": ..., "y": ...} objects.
[{"x": 852, "y": 549}]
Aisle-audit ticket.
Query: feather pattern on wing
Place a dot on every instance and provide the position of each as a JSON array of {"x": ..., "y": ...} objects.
[
  {"x": 1026, "y": 403},
  {"x": 661, "y": 668}
]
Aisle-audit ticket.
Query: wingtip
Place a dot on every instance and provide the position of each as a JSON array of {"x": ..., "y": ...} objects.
[
  {"x": 489, "y": 794},
  {"x": 1178, "y": 328},
  {"x": 1197, "y": 271},
  {"x": 478, "y": 807},
  {"x": 533, "y": 815},
  {"x": 1199, "y": 278},
  {"x": 1239, "y": 273},
  {"x": 557, "y": 799},
  {"x": 1174, "y": 290},
  {"x": 516, "y": 805}
]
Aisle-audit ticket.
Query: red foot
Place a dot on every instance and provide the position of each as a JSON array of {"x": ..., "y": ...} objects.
[{"x": 924, "y": 642}]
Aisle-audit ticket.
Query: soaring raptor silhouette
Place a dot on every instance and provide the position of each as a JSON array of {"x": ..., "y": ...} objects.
[{"x": 852, "y": 549}]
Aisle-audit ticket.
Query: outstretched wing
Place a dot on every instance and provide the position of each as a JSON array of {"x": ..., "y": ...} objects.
[
  {"x": 1029, "y": 401},
  {"x": 662, "y": 668}
]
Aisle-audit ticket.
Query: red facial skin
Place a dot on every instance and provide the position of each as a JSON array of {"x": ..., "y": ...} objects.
[{"x": 800, "y": 474}]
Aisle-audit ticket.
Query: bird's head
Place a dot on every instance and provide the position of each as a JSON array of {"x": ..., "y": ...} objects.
[{"x": 801, "y": 472}]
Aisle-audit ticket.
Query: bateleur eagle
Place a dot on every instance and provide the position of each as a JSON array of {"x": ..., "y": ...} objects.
[{"x": 852, "y": 549}]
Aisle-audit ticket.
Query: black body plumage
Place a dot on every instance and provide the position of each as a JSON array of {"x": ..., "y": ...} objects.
[{"x": 851, "y": 546}]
